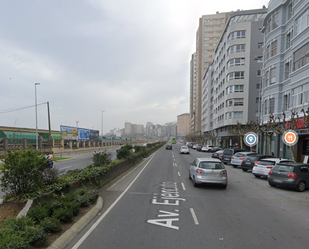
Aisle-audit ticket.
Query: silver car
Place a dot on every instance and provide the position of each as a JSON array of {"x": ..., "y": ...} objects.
[
  {"x": 184, "y": 150},
  {"x": 239, "y": 157},
  {"x": 208, "y": 171}
]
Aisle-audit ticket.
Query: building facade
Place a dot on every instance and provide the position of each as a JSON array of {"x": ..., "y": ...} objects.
[
  {"x": 183, "y": 124},
  {"x": 286, "y": 71},
  {"x": 207, "y": 37},
  {"x": 231, "y": 85}
]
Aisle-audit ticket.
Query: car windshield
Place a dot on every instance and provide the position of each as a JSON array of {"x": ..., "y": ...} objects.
[
  {"x": 282, "y": 168},
  {"x": 211, "y": 165}
]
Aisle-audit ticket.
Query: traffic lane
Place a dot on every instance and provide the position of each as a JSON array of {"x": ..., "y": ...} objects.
[
  {"x": 247, "y": 209},
  {"x": 134, "y": 221}
]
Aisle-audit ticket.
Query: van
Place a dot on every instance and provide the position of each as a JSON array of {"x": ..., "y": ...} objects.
[{"x": 228, "y": 153}]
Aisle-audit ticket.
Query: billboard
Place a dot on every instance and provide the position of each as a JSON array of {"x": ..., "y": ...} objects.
[
  {"x": 83, "y": 134},
  {"x": 94, "y": 135},
  {"x": 68, "y": 133}
]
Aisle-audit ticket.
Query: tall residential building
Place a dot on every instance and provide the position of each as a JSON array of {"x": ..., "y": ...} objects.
[
  {"x": 286, "y": 71},
  {"x": 128, "y": 128},
  {"x": 231, "y": 84},
  {"x": 183, "y": 124},
  {"x": 207, "y": 37}
]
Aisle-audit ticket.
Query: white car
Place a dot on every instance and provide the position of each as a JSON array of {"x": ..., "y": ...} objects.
[
  {"x": 206, "y": 148},
  {"x": 239, "y": 157},
  {"x": 184, "y": 150},
  {"x": 262, "y": 167}
]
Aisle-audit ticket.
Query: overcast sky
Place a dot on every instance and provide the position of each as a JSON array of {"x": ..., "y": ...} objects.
[{"x": 129, "y": 58}]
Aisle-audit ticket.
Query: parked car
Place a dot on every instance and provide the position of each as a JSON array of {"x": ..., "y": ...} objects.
[
  {"x": 214, "y": 149},
  {"x": 206, "y": 148},
  {"x": 184, "y": 150},
  {"x": 250, "y": 160},
  {"x": 199, "y": 147},
  {"x": 168, "y": 147},
  {"x": 290, "y": 175},
  {"x": 217, "y": 154},
  {"x": 208, "y": 171},
  {"x": 262, "y": 167},
  {"x": 228, "y": 153},
  {"x": 194, "y": 146},
  {"x": 239, "y": 157},
  {"x": 190, "y": 145}
]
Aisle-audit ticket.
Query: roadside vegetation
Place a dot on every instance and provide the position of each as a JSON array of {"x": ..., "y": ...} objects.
[{"x": 25, "y": 176}]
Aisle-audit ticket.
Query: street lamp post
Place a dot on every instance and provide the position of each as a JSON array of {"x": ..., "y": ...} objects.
[
  {"x": 36, "y": 118},
  {"x": 258, "y": 59},
  {"x": 102, "y": 129}
]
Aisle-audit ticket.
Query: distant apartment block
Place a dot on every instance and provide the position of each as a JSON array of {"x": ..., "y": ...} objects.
[{"x": 183, "y": 124}]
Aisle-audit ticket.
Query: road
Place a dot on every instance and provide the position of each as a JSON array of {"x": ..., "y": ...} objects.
[{"x": 155, "y": 205}]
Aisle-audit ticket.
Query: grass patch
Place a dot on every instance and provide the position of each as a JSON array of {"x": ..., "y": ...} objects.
[{"x": 55, "y": 159}]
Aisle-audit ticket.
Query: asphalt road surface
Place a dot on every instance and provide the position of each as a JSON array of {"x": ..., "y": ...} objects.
[{"x": 155, "y": 205}]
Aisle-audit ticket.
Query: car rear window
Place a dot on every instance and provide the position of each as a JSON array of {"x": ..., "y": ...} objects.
[
  {"x": 282, "y": 168},
  {"x": 252, "y": 158},
  {"x": 264, "y": 162},
  {"x": 228, "y": 152},
  {"x": 211, "y": 165}
]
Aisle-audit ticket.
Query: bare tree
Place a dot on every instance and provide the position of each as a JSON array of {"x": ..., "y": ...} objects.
[{"x": 240, "y": 130}]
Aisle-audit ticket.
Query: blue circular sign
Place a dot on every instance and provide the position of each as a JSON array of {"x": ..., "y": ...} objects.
[{"x": 251, "y": 139}]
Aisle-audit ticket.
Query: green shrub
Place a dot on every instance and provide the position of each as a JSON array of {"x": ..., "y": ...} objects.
[
  {"x": 63, "y": 214},
  {"x": 38, "y": 213},
  {"x": 18, "y": 224},
  {"x": 13, "y": 240},
  {"x": 35, "y": 235},
  {"x": 51, "y": 225},
  {"x": 101, "y": 158},
  {"x": 74, "y": 206},
  {"x": 83, "y": 200}
]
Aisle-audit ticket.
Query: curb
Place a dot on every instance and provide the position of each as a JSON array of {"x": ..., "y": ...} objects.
[{"x": 75, "y": 229}]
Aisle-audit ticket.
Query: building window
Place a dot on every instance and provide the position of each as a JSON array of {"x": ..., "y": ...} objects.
[
  {"x": 287, "y": 70},
  {"x": 288, "y": 40},
  {"x": 260, "y": 45},
  {"x": 301, "y": 57},
  {"x": 302, "y": 22},
  {"x": 272, "y": 105},
  {"x": 257, "y": 100},
  {"x": 274, "y": 48},
  {"x": 238, "y": 115},
  {"x": 297, "y": 96},
  {"x": 258, "y": 72},
  {"x": 275, "y": 20},
  {"x": 289, "y": 11},
  {"x": 238, "y": 102},
  {"x": 272, "y": 74},
  {"x": 285, "y": 102},
  {"x": 267, "y": 78},
  {"x": 234, "y": 89},
  {"x": 236, "y": 76},
  {"x": 236, "y": 48},
  {"x": 266, "y": 107},
  {"x": 236, "y": 62}
]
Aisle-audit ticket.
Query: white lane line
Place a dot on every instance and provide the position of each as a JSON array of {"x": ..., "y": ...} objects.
[
  {"x": 183, "y": 186},
  {"x": 125, "y": 176},
  {"x": 194, "y": 216},
  {"x": 178, "y": 173},
  {"x": 82, "y": 239}
]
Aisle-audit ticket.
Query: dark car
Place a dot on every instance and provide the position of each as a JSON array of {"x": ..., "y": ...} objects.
[
  {"x": 250, "y": 160},
  {"x": 199, "y": 147},
  {"x": 290, "y": 175},
  {"x": 228, "y": 153},
  {"x": 217, "y": 154},
  {"x": 168, "y": 147},
  {"x": 214, "y": 149}
]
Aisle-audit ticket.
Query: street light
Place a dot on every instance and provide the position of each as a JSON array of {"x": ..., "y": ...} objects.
[
  {"x": 102, "y": 129},
  {"x": 36, "y": 117},
  {"x": 258, "y": 59}
]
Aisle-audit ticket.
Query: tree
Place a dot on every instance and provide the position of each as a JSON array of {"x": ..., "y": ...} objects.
[
  {"x": 22, "y": 172},
  {"x": 124, "y": 152},
  {"x": 240, "y": 130},
  {"x": 101, "y": 158}
]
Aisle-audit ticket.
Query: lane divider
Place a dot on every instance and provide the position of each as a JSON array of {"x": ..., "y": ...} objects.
[{"x": 194, "y": 216}]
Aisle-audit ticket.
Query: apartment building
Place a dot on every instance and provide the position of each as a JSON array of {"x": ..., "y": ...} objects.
[
  {"x": 183, "y": 124},
  {"x": 207, "y": 37},
  {"x": 231, "y": 85},
  {"x": 286, "y": 70}
]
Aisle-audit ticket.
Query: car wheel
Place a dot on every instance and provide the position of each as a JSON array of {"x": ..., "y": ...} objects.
[
  {"x": 244, "y": 170},
  {"x": 224, "y": 186},
  {"x": 194, "y": 183},
  {"x": 301, "y": 186},
  {"x": 234, "y": 166},
  {"x": 260, "y": 177},
  {"x": 189, "y": 175},
  {"x": 271, "y": 184}
]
